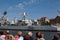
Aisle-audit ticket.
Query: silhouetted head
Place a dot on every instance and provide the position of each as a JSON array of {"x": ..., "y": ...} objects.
[
  {"x": 26, "y": 37},
  {"x": 38, "y": 35},
  {"x": 1, "y": 33}
]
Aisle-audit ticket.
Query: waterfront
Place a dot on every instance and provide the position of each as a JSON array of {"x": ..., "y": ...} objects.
[
  {"x": 48, "y": 34},
  {"x": 48, "y": 31}
]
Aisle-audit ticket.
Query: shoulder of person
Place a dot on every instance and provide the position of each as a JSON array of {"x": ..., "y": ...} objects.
[
  {"x": 2, "y": 35},
  {"x": 37, "y": 39},
  {"x": 42, "y": 39},
  {"x": 21, "y": 36}
]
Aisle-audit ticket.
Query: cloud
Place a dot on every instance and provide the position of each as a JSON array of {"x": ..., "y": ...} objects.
[
  {"x": 30, "y": 2},
  {"x": 20, "y": 5},
  {"x": 23, "y": 4}
]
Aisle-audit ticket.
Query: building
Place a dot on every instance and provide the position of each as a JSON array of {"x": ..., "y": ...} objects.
[
  {"x": 44, "y": 21},
  {"x": 55, "y": 20}
]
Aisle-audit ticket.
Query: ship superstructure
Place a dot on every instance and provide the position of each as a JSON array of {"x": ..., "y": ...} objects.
[
  {"x": 4, "y": 20},
  {"x": 43, "y": 21},
  {"x": 24, "y": 22}
]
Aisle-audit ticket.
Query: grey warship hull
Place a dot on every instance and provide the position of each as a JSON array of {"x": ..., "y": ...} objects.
[
  {"x": 47, "y": 30},
  {"x": 29, "y": 28}
]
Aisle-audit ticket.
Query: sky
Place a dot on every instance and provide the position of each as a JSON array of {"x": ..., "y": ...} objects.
[{"x": 35, "y": 9}]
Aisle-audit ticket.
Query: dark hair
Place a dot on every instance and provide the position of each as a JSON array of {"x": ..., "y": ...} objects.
[
  {"x": 1, "y": 33},
  {"x": 38, "y": 35},
  {"x": 55, "y": 37},
  {"x": 26, "y": 37}
]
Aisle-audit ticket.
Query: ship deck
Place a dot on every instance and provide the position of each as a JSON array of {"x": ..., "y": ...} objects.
[{"x": 50, "y": 28}]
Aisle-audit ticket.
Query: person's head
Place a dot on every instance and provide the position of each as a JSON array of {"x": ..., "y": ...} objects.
[
  {"x": 19, "y": 33},
  {"x": 30, "y": 33},
  {"x": 26, "y": 37},
  {"x": 42, "y": 35},
  {"x": 38, "y": 34},
  {"x": 7, "y": 31},
  {"x": 58, "y": 33},
  {"x": 7, "y": 34},
  {"x": 55, "y": 38},
  {"x": 1, "y": 33}
]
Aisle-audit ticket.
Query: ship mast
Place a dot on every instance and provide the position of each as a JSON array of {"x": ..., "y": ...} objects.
[
  {"x": 24, "y": 16},
  {"x": 58, "y": 12}
]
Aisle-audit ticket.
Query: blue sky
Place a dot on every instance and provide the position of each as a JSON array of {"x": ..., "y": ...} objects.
[{"x": 34, "y": 8}]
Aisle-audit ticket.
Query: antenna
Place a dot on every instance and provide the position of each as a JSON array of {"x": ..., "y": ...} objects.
[
  {"x": 24, "y": 16},
  {"x": 58, "y": 12}
]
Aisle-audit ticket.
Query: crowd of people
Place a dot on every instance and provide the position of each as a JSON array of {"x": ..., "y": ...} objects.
[{"x": 27, "y": 36}]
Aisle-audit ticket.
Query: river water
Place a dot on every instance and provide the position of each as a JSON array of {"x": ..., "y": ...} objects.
[
  {"x": 47, "y": 34},
  {"x": 48, "y": 31}
]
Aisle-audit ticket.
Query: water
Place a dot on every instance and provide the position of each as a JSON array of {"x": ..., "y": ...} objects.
[
  {"x": 48, "y": 35},
  {"x": 48, "y": 31}
]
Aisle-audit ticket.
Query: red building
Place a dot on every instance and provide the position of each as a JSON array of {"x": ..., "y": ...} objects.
[{"x": 55, "y": 20}]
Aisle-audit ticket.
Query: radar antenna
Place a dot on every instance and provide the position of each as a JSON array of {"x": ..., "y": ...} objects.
[
  {"x": 58, "y": 12},
  {"x": 24, "y": 16}
]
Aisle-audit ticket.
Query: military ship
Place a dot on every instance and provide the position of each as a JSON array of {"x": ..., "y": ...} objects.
[
  {"x": 22, "y": 24},
  {"x": 26, "y": 25}
]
